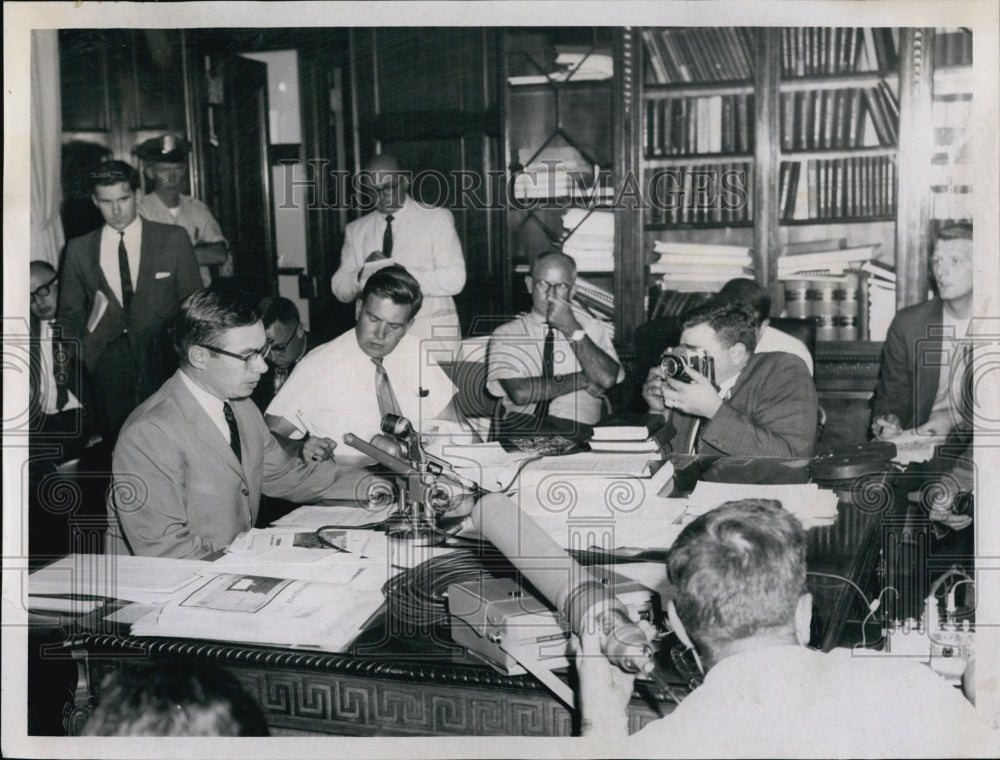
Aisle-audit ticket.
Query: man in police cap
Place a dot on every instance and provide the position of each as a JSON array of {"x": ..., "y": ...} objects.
[{"x": 165, "y": 160}]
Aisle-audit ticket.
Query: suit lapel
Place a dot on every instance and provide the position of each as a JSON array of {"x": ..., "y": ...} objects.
[
  {"x": 99, "y": 275},
  {"x": 201, "y": 427},
  {"x": 146, "y": 265}
]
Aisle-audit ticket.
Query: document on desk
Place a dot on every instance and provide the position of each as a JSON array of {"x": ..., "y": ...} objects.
[
  {"x": 360, "y": 559},
  {"x": 315, "y": 517},
  {"x": 116, "y": 576},
  {"x": 814, "y": 506},
  {"x": 489, "y": 465},
  {"x": 256, "y": 609}
]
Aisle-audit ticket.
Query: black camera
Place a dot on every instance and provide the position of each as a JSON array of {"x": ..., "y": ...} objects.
[{"x": 675, "y": 363}]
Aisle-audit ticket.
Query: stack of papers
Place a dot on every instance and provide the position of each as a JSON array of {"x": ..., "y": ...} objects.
[
  {"x": 693, "y": 267},
  {"x": 590, "y": 239},
  {"x": 812, "y": 505},
  {"x": 255, "y": 609},
  {"x": 151, "y": 580}
]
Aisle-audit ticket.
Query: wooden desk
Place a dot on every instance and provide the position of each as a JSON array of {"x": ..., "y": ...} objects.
[{"x": 423, "y": 684}]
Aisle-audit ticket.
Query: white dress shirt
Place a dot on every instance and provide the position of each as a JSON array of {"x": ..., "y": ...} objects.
[
  {"x": 109, "y": 255},
  {"x": 211, "y": 404}
]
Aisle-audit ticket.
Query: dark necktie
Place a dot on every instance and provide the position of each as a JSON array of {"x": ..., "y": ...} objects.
[
  {"x": 548, "y": 369},
  {"x": 234, "y": 431},
  {"x": 387, "y": 237},
  {"x": 383, "y": 391},
  {"x": 125, "y": 272}
]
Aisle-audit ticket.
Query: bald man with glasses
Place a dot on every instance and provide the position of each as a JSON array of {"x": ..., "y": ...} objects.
[
  {"x": 553, "y": 365},
  {"x": 192, "y": 460}
]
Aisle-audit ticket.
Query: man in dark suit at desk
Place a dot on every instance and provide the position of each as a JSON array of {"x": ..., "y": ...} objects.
[
  {"x": 121, "y": 286},
  {"x": 921, "y": 382},
  {"x": 765, "y": 405},
  {"x": 737, "y": 578},
  {"x": 194, "y": 458},
  {"x": 289, "y": 342}
]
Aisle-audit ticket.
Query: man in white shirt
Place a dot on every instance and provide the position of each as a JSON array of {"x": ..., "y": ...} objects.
[
  {"x": 402, "y": 231},
  {"x": 749, "y": 293},
  {"x": 350, "y": 383},
  {"x": 738, "y": 598},
  {"x": 194, "y": 458},
  {"x": 165, "y": 161},
  {"x": 553, "y": 365}
]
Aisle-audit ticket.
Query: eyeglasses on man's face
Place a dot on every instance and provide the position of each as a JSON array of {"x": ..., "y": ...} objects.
[
  {"x": 248, "y": 359},
  {"x": 43, "y": 291},
  {"x": 277, "y": 348},
  {"x": 559, "y": 288}
]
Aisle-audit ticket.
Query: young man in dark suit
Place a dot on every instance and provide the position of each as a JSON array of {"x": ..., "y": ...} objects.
[{"x": 121, "y": 287}]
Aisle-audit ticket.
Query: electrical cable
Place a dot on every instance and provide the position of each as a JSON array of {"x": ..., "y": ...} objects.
[{"x": 841, "y": 578}]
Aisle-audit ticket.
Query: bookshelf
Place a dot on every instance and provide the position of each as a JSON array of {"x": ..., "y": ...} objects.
[{"x": 832, "y": 132}]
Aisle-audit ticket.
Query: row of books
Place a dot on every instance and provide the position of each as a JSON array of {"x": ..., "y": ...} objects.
[
  {"x": 698, "y": 54},
  {"x": 839, "y": 118},
  {"x": 859, "y": 186},
  {"x": 701, "y": 194},
  {"x": 712, "y": 124},
  {"x": 814, "y": 51},
  {"x": 953, "y": 47}
]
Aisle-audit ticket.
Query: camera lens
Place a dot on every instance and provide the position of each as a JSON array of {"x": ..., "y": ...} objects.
[{"x": 672, "y": 366}]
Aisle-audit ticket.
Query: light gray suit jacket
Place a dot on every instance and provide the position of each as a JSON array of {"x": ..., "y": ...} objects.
[{"x": 178, "y": 489}]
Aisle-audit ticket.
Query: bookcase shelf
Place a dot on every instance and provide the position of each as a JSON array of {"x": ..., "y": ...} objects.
[
  {"x": 839, "y": 81},
  {"x": 866, "y": 109}
]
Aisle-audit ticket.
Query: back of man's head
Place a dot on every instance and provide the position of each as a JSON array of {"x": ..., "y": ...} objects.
[
  {"x": 396, "y": 284},
  {"x": 749, "y": 293},
  {"x": 738, "y": 572},
  {"x": 207, "y": 313},
  {"x": 278, "y": 309},
  {"x": 732, "y": 322},
  {"x": 174, "y": 699},
  {"x": 111, "y": 173}
]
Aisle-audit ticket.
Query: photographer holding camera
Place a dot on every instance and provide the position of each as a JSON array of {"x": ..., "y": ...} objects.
[{"x": 721, "y": 398}]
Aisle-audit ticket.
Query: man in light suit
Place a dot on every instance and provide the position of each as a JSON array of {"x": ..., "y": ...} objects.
[
  {"x": 121, "y": 286},
  {"x": 193, "y": 459},
  {"x": 764, "y": 405}
]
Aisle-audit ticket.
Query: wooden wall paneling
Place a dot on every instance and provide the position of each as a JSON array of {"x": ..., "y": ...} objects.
[
  {"x": 913, "y": 228},
  {"x": 630, "y": 253},
  {"x": 767, "y": 72}
]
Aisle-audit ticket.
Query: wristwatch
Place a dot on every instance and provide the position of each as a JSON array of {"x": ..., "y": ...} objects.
[{"x": 578, "y": 335}]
